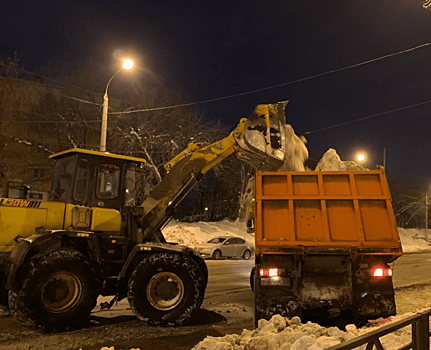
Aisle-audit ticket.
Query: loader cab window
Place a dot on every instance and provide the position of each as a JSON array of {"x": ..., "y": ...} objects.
[
  {"x": 129, "y": 196},
  {"x": 63, "y": 176},
  {"x": 81, "y": 182},
  {"x": 108, "y": 181}
]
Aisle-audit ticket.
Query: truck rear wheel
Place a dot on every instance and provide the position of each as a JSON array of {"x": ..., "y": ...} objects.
[
  {"x": 166, "y": 289},
  {"x": 57, "y": 292}
]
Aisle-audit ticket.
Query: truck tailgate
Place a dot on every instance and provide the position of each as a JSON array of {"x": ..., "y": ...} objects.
[{"x": 338, "y": 209}]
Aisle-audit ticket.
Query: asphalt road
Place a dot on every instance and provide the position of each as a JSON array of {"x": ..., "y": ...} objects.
[
  {"x": 227, "y": 308},
  {"x": 229, "y": 281},
  {"x": 412, "y": 269}
]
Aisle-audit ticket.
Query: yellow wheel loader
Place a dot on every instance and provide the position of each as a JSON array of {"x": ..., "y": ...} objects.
[{"x": 90, "y": 239}]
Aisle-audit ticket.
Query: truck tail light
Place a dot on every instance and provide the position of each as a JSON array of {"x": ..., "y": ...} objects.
[
  {"x": 380, "y": 272},
  {"x": 269, "y": 272}
]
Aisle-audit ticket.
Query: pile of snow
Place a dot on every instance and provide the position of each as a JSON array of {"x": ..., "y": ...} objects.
[
  {"x": 191, "y": 234},
  {"x": 296, "y": 151},
  {"x": 331, "y": 161},
  {"x": 283, "y": 333},
  {"x": 279, "y": 332},
  {"x": 413, "y": 240},
  {"x": 113, "y": 348},
  {"x": 290, "y": 334}
]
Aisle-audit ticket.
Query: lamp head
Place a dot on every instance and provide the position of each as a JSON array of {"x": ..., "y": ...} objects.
[
  {"x": 128, "y": 64},
  {"x": 361, "y": 157}
]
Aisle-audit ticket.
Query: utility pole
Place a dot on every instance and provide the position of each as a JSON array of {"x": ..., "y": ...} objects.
[
  {"x": 384, "y": 158},
  {"x": 426, "y": 216}
]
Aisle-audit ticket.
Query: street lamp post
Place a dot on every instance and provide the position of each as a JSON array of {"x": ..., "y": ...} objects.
[
  {"x": 426, "y": 216},
  {"x": 384, "y": 157},
  {"x": 127, "y": 65}
]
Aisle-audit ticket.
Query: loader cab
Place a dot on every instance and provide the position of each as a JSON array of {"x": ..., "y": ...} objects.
[{"x": 94, "y": 179}]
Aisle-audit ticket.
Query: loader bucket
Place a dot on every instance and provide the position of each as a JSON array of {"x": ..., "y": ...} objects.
[{"x": 263, "y": 143}]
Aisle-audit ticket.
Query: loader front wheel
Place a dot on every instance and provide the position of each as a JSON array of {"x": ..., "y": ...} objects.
[
  {"x": 57, "y": 293},
  {"x": 3, "y": 296},
  {"x": 166, "y": 289}
]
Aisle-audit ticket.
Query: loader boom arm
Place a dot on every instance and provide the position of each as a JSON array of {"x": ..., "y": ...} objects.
[{"x": 258, "y": 140}]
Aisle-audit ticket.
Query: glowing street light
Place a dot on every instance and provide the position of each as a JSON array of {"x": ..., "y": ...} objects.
[
  {"x": 360, "y": 157},
  {"x": 127, "y": 65},
  {"x": 426, "y": 213}
]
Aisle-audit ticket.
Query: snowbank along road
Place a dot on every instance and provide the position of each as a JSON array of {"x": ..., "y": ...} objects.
[{"x": 227, "y": 310}]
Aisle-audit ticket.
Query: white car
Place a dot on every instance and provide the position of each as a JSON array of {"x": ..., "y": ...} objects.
[{"x": 225, "y": 247}]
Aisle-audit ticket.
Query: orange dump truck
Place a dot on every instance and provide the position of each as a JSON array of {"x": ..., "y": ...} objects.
[{"x": 324, "y": 244}]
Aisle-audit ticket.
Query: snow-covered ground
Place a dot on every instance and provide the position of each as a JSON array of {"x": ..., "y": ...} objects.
[
  {"x": 290, "y": 334},
  {"x": 413, "y": 240},
  {"x": 281, "y": 333},
  {"x": 193, "y": 233}
]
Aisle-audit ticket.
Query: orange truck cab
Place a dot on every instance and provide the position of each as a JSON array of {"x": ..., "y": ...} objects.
[{"x": 324, "y": 245}]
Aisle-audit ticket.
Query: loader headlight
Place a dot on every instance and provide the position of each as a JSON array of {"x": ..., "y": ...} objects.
[{"x": 81, "y": 217}]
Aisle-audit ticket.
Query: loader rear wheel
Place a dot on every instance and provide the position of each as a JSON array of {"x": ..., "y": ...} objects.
[
  {"x": 57, "y": 293},
  {"x": 166, "y": 289}
]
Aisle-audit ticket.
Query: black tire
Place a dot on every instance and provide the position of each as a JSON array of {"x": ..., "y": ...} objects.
[
  {"x": 217, "y": 255},
  {"x": 246, "y": 255},
  {"x": 3, "y": 295},
  {"x": 253, "y": 271},
  {"x": 57, "y": 292},
  {"x": 166, "y": 289}
]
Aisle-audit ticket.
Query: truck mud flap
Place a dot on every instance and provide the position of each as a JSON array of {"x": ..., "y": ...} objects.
[
  {"x": 376, "y": 300},
  {"x": 331, "y": 291},
  {"x": 284, "y": 306},
  {"x": 375, "y": 305}
]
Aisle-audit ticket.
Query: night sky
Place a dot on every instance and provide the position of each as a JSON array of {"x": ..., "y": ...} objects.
[{"x": 211, "y": 49}]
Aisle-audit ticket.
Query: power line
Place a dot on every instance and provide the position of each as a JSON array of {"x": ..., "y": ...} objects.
[
  {"x": 233, "y": 95},
  {"x": 83, "y": 101},
  {"x": 45, "y": 78},
  {"x": 369, "y": 117},
  {"x": 406, "y": 188},
  {"x": 278, "y": 85},
  {"x": 263, "y": 89}
]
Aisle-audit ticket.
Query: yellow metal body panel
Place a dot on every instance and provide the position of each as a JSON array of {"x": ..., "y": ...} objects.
[
  {"x": 68, "y": 216},
  {"x": 97, "y": 153},
  {"x": 102, "y": 219},
  {"x": 22, "y": 217},
  {"x": 105, "y": 220},
  {"x": 343, "y": 209}
]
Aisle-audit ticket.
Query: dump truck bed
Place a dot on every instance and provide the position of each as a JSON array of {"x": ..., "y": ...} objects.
[{"x": 340, "y": 210}]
